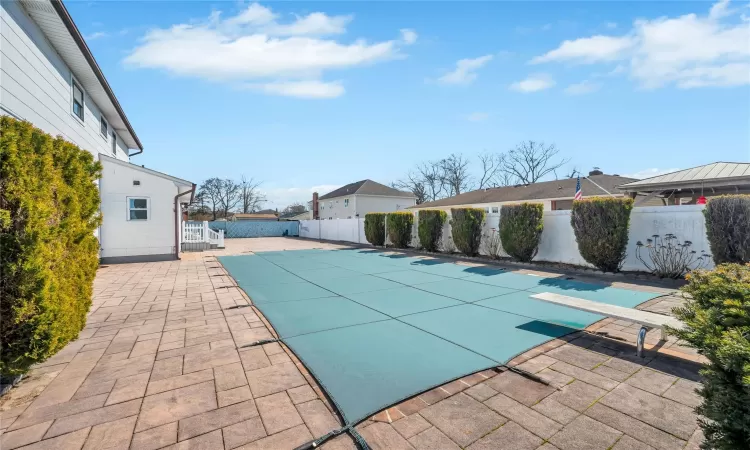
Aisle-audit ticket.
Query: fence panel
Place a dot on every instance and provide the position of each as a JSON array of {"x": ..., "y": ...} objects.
[{"x": 256, "y": 228}]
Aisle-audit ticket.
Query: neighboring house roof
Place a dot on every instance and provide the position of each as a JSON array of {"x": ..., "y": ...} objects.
[
  {"x": 266, "y": 211},
  {"x": 254, "y": 216},
  {"x": 301, "y": 216},
  {"x": 557, "y": 189},
  {"x": 714, "y": 174},
  {"x": 60, "y": 30},
  {"x": 366, "y": 187}
]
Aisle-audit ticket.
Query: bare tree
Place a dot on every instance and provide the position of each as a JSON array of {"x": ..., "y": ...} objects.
[
  {"x": 432, "y": 178},
  {"x": 251, "y": 199},
  {"x": 490, "y": 167},
  {"x": 530, "y": 161},
  {"x": 294, "y": 208},
  {"x": 210, "y": 193},
  {"x": 455, "y": 174},
  {"x": 229, "y": 196},
  {"x": 414, "y": 184}
]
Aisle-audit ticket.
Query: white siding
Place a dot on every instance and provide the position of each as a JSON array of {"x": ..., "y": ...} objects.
[
  {"x": 121, "y": 237},
  {"x": 372, "y": 203},
  {"x": 333, "y": 208},
  {"x": 35, "y": 85}
]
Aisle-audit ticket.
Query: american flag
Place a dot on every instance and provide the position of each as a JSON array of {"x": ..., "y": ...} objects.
[{"x": 579, "y": 193}]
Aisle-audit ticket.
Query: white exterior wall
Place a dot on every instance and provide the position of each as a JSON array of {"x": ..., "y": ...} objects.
[
  {"x": 333, "y": 208},
  {"x": 375, "y": 203},
  {"x": 558, "y": 242},
  {"x": 121, "y": 237},
  {"x": 35, "y": 85}
]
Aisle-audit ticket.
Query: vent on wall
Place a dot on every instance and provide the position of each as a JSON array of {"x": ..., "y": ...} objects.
[{"x": 136, "y": 183}]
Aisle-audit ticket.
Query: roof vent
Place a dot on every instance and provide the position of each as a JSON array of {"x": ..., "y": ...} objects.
[{"x": 596, "y": 171}]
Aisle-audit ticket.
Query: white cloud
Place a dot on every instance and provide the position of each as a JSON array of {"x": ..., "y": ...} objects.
[
  {"x": 465, "y": 71},
  {"x": 648, "y": 173},
  {"x": 533, "y": 83},
  {"x": 302, "y": 89},
  {"x": 95, "y": 35},
  {"x": 408, "y": 36},
  {"x": 611, "y": 25},
  {"x": 254, "y": 48},
  {"x": 477, "y": 117},
  {"x": 688, "y": 51},
  {"x": 282, "y": 197},
  {"x": 584, "y": 87}
]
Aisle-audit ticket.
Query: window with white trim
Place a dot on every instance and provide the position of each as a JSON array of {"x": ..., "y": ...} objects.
[
  {"x": 114, "y": 143},
  {"x": 487, "y": 209},
  {"x": 138, "y": 208},
  {"x": 77, "y": 100},
  {"x": 103, "y": 126},
  {"x": 346, "y": 202},
  {"x": 495, "y": 210}
]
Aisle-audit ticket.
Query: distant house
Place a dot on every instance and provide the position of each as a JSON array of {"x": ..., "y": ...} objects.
[
  {"x": 256, "y": 216},
  {"x": 305, "y": 215},
  {"x": 686, "y": 187},
  {"x": 554, "y": 195},
  {"x": 359, "y": 198}
]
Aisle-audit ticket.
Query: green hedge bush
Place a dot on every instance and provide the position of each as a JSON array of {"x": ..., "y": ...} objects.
[
  {"x": 399, "y": 228},
  {"x": 728, "y": 228},
  {"x": 375, "y": 228},
  {"x": 430, "y": 228},
  {"x": 601, "y": 226},
  {"x": 466, "y": 229},
  {"x": 521, "y": 229},
  {"x": 717, "y": 324},
  {"x": 49, "y": 210}
]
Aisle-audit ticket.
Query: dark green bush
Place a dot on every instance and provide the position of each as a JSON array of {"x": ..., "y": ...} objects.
[
  {"x": 49, "y": 207},
  {"x": 466, "y": 229},
  {"x": 717, "y": 324},
  {"x": 521, "y": 229},
  {"x": 601, "y": 226},
  {"x": 399, "y": 228},
  {"x": 430, "y": 228},
  {"x": 728, "y": 228},
  {"x": 375, "y": 228}
]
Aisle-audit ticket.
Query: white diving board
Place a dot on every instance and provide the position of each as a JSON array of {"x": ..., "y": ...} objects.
[{"x": 644, "y": 318}]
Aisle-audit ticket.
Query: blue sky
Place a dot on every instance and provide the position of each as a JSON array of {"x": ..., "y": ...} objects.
[{"x": 312, "y": 95}]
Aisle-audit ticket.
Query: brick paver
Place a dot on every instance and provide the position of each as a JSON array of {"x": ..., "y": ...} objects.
[{"x": 160, "y": 365}]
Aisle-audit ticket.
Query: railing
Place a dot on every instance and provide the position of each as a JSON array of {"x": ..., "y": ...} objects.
[{"x": 199, "y": 232}]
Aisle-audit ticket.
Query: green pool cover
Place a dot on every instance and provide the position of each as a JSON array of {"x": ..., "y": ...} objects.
[{"x": 375, "y": 329}]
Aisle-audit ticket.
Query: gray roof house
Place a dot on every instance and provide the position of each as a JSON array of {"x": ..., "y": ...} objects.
[{"x": 362, "y": 197}]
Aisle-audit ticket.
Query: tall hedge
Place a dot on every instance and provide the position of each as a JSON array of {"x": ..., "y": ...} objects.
[
  {"x": 521, "y": 229},
  {"x": 601, "y": 226},
  {"x": 49, "y": 207},
  {"x": 375, "y": 228},
  {"x": 399, "y": 228},
  {"x": 466, "y": 229},
  {"x": 430, "y": 228},
  {"x": 728, "y": 228},
  {"x": 717, "y": 324}
]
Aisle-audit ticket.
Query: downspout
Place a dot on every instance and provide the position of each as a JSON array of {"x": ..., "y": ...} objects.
[
  {"x": 140, "y": 150},
  {"x": 177, "y": 213}
]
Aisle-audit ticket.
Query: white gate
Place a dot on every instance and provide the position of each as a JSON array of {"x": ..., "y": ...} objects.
[{"x": 198, "y": 236}]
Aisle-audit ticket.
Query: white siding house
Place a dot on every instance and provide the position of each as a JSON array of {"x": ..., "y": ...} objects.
[
  {"x": 362, "y": 197},
  {"x": 49, "y": 77}
]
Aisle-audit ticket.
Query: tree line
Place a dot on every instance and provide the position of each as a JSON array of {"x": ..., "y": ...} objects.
[{"x": 526, "y": 163}]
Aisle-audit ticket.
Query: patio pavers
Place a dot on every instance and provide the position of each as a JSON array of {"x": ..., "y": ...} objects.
[{"x": 154, "y": 318}]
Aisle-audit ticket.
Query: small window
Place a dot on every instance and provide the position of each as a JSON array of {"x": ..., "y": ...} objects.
[
  {"x": 103, "y": 127},
  {"x": 77, "y": 100},
  {"x": 330, "y": 204},
  {"x": 137, "y": 208},
  {"x": 487, "y": 209},
  {"x": 114, "y": 143},
  {"x": 495, "y": 210},
  {"x": 346, "y": 202}
]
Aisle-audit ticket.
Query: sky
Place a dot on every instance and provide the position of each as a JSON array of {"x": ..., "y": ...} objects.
[{"x": 308, "y": 96}]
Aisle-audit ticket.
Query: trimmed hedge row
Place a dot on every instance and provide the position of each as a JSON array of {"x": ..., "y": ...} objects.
[
  {"x": 728, "y": 228},
  {"x": 466, "y": 229},
  {"x": 375, "y": 228},
  {"x": 601, "y": 226},
  {"x": 717, "y": 320},
  {"x": 399, "y": 228},
  {"x": 521, "y": 229},
  {"x": 49, "y": 210},
  {"x": 430, "y": 228}
]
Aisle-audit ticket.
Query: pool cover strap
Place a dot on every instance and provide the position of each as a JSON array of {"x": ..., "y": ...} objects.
[{"x": 358, "y": 439}]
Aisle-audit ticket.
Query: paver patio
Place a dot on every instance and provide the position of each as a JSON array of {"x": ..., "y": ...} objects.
[{"x": 160, "y": 364}]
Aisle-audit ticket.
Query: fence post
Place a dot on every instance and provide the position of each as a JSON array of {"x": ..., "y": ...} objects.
[
  {"x": 205, "y": 231},
  {"x": 221, "y": 239}
]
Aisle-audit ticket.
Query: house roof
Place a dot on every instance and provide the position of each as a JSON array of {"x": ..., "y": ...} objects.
[
  {"x": 255, "y": 216},
  {"x": 366, "y": 187},
  {"x": 707, "y": 175},
  {"x": 58, "y": 27},
  {"x": 266, "y": 211},
  {"x": 105, "y": 158},
  {"x": 557, "y": 189}
]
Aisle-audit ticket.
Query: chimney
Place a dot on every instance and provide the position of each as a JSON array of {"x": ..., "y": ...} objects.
[
  {"x": 315, "y": 206},
  {"x": 596, "y": 171}
]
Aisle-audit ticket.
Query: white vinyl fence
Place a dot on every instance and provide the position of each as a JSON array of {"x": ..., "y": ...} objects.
[{"x": 558, "y": 242}]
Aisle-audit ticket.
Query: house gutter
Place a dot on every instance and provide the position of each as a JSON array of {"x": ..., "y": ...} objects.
[{"x": 177, "y": 213}]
